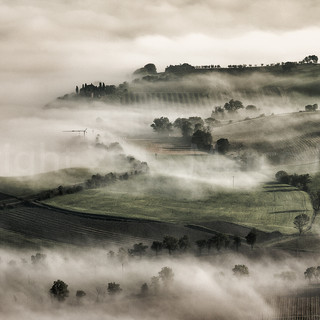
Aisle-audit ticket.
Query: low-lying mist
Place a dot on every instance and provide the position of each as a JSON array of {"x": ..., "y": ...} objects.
[{"x": 200, "y": 288}]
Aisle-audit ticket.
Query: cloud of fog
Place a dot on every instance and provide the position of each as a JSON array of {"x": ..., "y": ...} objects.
[{"x": 200, "y": 289}]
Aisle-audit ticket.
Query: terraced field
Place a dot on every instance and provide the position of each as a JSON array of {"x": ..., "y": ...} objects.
[
  {"x": 42, "y": 222},
  {"x": 286, "y": 138}
]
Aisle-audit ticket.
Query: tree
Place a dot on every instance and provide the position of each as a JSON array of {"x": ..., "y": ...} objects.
[
  {"x": 184, "y": 243},
  {"x": 233, "y": 105},
  {"x": 251, "y": 238},
  {"x": 59, "y": 290},
  {"x": 114, "y": 288},
  {"x": 38, "y": 258},
  {"x": 156, "y": 246},
  {"x": 288, "y": 66},
  {"x": 201, "y": 244},
  {"x": 148, "y": 69},
  {"x": 237, "y": 242},
  {"x": 251, "y": 108},
  {"x": 222, "y": 146},
  {"x": 170, "y": 243},
  {"x": 282, "y": 177},
  {"x": 144, "y": 289},
  {"x": 311, "y": 107},
  {"x": 202, "y": 139},
  {"x": 80, "y": 294},
  {"x": 166, "y": 275},
  {"x": 185, "y": 126},
  {"x": 162, "y": 125},
  {"x": 155, "y": 284},
  {"x": 139, "y": 249},
  {"x": 310, "y": 59},
  {"x": 240, "y": 270},
  {"x": 300, "y": 222},
  {"x": 219, "y": 239},
  {"x": 310, "y": 273}
]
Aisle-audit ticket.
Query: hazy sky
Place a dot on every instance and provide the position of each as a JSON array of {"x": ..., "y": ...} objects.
[{"x": 53, "y": 44}]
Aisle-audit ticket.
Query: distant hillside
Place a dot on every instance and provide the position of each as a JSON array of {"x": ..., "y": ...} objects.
[{"x": 208, "y": 85}]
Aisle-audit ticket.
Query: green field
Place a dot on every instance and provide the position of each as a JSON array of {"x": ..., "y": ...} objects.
[{"x": 271, "y": 207}]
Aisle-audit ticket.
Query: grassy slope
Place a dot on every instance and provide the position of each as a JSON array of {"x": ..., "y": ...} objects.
[
  {"x": 270, "y": 208},
  {"x": 28, "y": 185}
]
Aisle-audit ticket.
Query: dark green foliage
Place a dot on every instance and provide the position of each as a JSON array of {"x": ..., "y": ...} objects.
[
  {"x": 251, "y": 107},
  {"x": 156, "y": 246},
  {"x": 311, "y": 107},
  {"x": 233, "y": 105},
  {"x": 202, "y": 139},
  {"x": 310, "y": 59},
  {"x": 219, "y": 240},
  {"x": 144, "y": 289},
  {"x": 148, "y": 69},
  {"x": 237, "y": 242},
  {"x": 282, "y": 176},
  {"x": 300, "y": 222},
  {"x": 185, "y": 126},
  {"x": 80, "y": 294},
  {"x": 310, "y": 273},
  {"x": 201, "y": 244},
  {"x": 139, "y": 249},
  {"x": 288, "y": 66},
  {"x": 170, "y": 243},
  {"x": 184, "y": 243},
  {"x": 166, "y": 275},
  {"x": 38, "y": 258},
  {"x": 251, "y": 238},
  {"x": 162, "y": 125},
  {"x": 59, "y": 290},
  {"x": 181, "y": 69},
  {"x": 114, "y": 288},
  {"x": 299, "y": 181},
  {"x": 222, "y": 146},
  {"x": 240, "y": 270},
  {"x": 92, "y": 91}
]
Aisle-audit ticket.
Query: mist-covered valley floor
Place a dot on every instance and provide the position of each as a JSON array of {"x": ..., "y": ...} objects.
[{"x": 202, "y": 288}]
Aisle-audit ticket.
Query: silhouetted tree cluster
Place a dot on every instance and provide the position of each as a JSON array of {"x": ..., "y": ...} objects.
[
  {"x": 202, "y": 139},
  {"x": 240, "y": 270},
  {"x": 222, "y": 146},
  {"x": 233, "y": 105},
  {"x": 98, "y": 180},
  {"x": 218, "y": 241},
  {"x": 59, "y": 290},
  {"x": 148, "y": 70},
  {"x": 311, "y": 107},
  {"x": 139, "y": 249},
  {"x": 93, "y": 91},
  {"x": 299, "y": 181},
  {"x": 312, "y": 273},
  {"x": 180, "y": 69},
  {"x": 162, "y": 125},
  {"x": 38, "y": 258},
  {"x": 310, "y": 59},
  {"x": 251, "y": 238},
  {"x": 172, "y": 244},
  {"x": 114, "y": 288}
]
